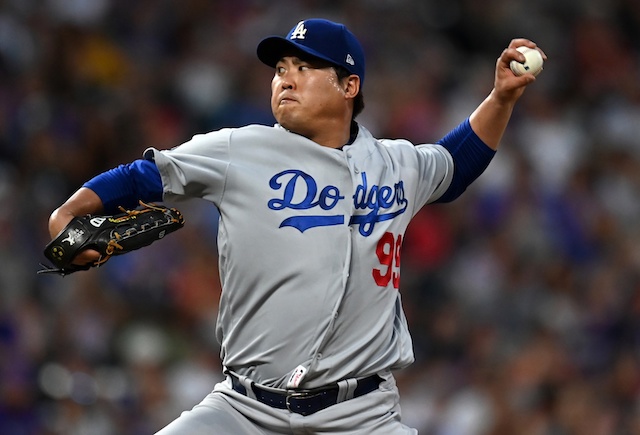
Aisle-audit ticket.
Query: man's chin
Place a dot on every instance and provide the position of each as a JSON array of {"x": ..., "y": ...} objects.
[{"x": 288, "y": 123}]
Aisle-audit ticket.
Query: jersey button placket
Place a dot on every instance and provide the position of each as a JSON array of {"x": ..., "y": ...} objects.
[{"x": 352, "y": 165}]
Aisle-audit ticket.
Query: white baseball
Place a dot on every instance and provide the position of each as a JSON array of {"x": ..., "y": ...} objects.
[{"x": 532, "y": 65}]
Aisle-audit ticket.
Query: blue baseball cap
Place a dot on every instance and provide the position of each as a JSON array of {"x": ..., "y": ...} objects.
[{"x": 320, "y": 38}]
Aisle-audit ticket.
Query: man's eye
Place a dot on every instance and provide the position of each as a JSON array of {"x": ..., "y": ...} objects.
[
  {"x": 303, "y": 67},
  {"x": 279, "y": 70}
]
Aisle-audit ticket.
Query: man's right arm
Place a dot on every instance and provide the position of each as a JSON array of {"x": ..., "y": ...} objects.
[
  {"x": 83, "y": 201},
  {"x": 122, "y": 186}
]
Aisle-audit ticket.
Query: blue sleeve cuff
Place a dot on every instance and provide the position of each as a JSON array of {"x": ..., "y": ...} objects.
[
  {"x": 471, "y": 156},
  {"x": 125, "y": 185}
]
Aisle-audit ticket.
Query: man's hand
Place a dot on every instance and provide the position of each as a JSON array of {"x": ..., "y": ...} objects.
[
  {"x": 508, "y": 87},
  {"x": 489, "y": 121}
]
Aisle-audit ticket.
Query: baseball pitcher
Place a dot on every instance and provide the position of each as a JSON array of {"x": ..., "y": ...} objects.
[{"x": 313, "y": 211}]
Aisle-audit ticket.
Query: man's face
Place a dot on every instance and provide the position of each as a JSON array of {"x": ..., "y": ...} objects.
[{"x": 305, "y": 95}]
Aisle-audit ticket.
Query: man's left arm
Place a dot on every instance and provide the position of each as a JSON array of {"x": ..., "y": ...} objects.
[{"x": 473, "y": 143}]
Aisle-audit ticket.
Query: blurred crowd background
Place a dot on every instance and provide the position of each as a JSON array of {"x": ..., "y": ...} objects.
[{"x": 523, "y": 296}]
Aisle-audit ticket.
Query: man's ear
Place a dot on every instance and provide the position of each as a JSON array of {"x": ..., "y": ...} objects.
[{"x": 352, "y": 86}]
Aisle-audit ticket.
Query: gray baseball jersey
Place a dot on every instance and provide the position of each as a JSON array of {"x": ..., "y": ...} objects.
[{"x": 309, "y": 245}]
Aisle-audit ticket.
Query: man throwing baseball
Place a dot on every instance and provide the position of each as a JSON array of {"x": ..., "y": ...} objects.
[{"x": 313, "y": 213}]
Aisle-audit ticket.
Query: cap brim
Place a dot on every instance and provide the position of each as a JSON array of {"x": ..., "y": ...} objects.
[{"x": 270, "y": 50}]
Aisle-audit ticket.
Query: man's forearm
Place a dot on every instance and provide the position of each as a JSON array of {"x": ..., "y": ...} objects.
[
  {"x": 489, "y": 121},
  {"x": 83, "y": 201}
]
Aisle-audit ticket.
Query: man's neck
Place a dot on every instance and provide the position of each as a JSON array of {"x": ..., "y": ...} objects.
[{"x": 335, "y": 139}]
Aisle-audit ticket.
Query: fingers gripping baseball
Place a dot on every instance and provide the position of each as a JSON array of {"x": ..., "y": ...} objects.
[{"x": 510, "y": 85}]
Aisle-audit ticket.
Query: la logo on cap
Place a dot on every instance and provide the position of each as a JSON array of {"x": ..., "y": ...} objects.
[{"x": 299, "y": 31}]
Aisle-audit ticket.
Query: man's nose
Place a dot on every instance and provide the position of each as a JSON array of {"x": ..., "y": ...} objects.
[{"x": 286, "y": 83}]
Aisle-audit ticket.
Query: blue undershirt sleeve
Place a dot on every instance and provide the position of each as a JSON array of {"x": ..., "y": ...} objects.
[
  {"x": 471, "y": 156},
  {"x": 127, "y": 184}
]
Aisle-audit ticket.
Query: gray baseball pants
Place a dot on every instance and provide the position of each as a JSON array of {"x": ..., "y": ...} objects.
[{"x": 227, "y": 412}]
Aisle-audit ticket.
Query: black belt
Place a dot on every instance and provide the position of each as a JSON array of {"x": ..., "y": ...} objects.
[{"x": 305, "y": 402}]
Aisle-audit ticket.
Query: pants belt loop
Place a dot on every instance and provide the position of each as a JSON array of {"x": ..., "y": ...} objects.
[
  {"x": 346, "y": 388},
  {"x": 248, "y": 385}
]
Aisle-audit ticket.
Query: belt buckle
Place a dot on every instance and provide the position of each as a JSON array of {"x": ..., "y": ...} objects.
[{"x": 294, "y": 395}]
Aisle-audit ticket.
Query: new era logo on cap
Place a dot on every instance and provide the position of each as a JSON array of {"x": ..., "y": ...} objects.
[{"x": 319, "y": 38}]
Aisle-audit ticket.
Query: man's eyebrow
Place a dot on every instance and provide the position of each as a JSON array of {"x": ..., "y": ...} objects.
[
  {"x": 294, "y": 59},
  {"x": 297, "y": 60}
]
